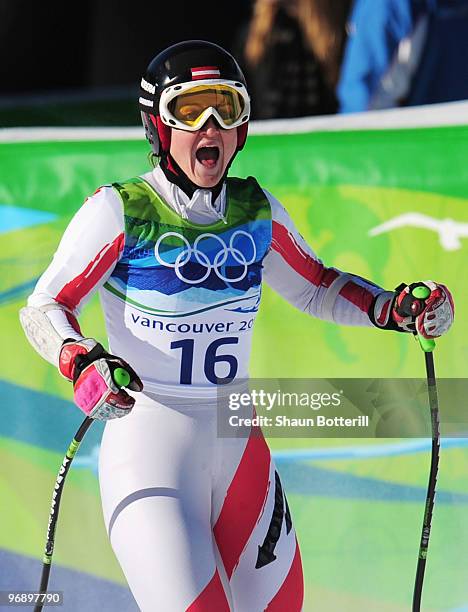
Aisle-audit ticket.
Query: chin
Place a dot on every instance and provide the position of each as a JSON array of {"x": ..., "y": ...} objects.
[
  {"x": 208, "y": 180},
  {"x": 211, "y": 182}
]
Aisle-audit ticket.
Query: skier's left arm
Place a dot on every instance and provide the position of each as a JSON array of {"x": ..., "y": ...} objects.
[{"x": 293, "y": 270}]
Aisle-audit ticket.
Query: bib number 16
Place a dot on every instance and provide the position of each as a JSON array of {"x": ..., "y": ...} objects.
[{"x": 211, "y": 359}]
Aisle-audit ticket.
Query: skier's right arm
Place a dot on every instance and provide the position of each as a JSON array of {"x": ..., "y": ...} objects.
[{"x": 88, "y": 252}]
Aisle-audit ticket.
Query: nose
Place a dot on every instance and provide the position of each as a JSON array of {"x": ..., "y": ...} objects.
[{"x": 210, "y": 126}]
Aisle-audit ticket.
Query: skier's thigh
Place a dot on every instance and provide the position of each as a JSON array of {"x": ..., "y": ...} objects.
[
  {"x": 269, "y": 573},
  {"x": 167, "y": 557},
  {"x": 155, "y": 478},
  {"x": 254, "y": 531}
]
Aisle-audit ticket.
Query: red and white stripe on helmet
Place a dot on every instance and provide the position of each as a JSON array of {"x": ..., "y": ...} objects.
[{"x": 205, "y": 72}]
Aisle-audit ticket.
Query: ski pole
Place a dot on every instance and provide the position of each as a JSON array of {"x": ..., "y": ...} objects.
[
  {"x": 420, "y": 294},
  {"x": 121, "y": 378}
]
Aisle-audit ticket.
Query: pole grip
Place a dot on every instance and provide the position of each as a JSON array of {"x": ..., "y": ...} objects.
[
  {"x": 121, "y": 377},
  {"x": 422, "y": 292}
]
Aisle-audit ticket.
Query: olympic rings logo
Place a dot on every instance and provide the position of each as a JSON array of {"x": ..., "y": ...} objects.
[{"x": 188, "y": 252}]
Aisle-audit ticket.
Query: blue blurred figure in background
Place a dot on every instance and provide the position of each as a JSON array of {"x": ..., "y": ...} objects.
[{"x": 404, "y": 53}]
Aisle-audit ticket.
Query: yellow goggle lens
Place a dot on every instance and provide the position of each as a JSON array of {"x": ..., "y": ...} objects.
[{"x": 189, "y": 106}]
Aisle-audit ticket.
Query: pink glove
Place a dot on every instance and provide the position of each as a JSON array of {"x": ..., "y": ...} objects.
[
  {"x": 431, "y": 317},
  {"x": 90, "y": 367}
]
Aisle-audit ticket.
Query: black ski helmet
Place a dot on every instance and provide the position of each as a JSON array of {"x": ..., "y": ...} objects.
[{"x": 174, "y": 66}]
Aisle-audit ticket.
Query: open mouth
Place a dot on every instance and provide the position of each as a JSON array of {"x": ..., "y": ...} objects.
[{"x": 208, "y": 156}]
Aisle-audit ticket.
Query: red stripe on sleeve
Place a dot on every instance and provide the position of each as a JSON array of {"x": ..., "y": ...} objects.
[
  {"x": 76, "y": 289},
  {"x": 244, "y": 501},
  {"x": 312, "y": 270},
  {"x": 73, "y": 322},
  {"x": 212, "y": 597},
  {"x": 357, "y": 295},
  {"x": 283, "y": 242},
  {"x": 291, "y": 593},
  {"x": 383, "y": 314}
]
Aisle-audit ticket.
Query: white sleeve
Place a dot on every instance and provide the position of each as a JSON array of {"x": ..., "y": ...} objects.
[
  {"x": 293, "y": 270},
  {"x": 88, "y": 252}
]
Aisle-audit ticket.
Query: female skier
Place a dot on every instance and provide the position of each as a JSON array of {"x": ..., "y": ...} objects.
[{"x": 198, "y": 522}]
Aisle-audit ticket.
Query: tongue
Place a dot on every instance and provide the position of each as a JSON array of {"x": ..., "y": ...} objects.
[{"x": 208, "y": 156}]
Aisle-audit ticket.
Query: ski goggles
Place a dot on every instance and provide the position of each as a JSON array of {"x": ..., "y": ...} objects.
[{"x": 188, "y": 106}]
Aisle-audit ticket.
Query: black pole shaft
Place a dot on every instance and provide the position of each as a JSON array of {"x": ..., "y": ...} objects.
[
  {"x": 55, "y": 506},
  {"x": 431, "y": 488}
]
